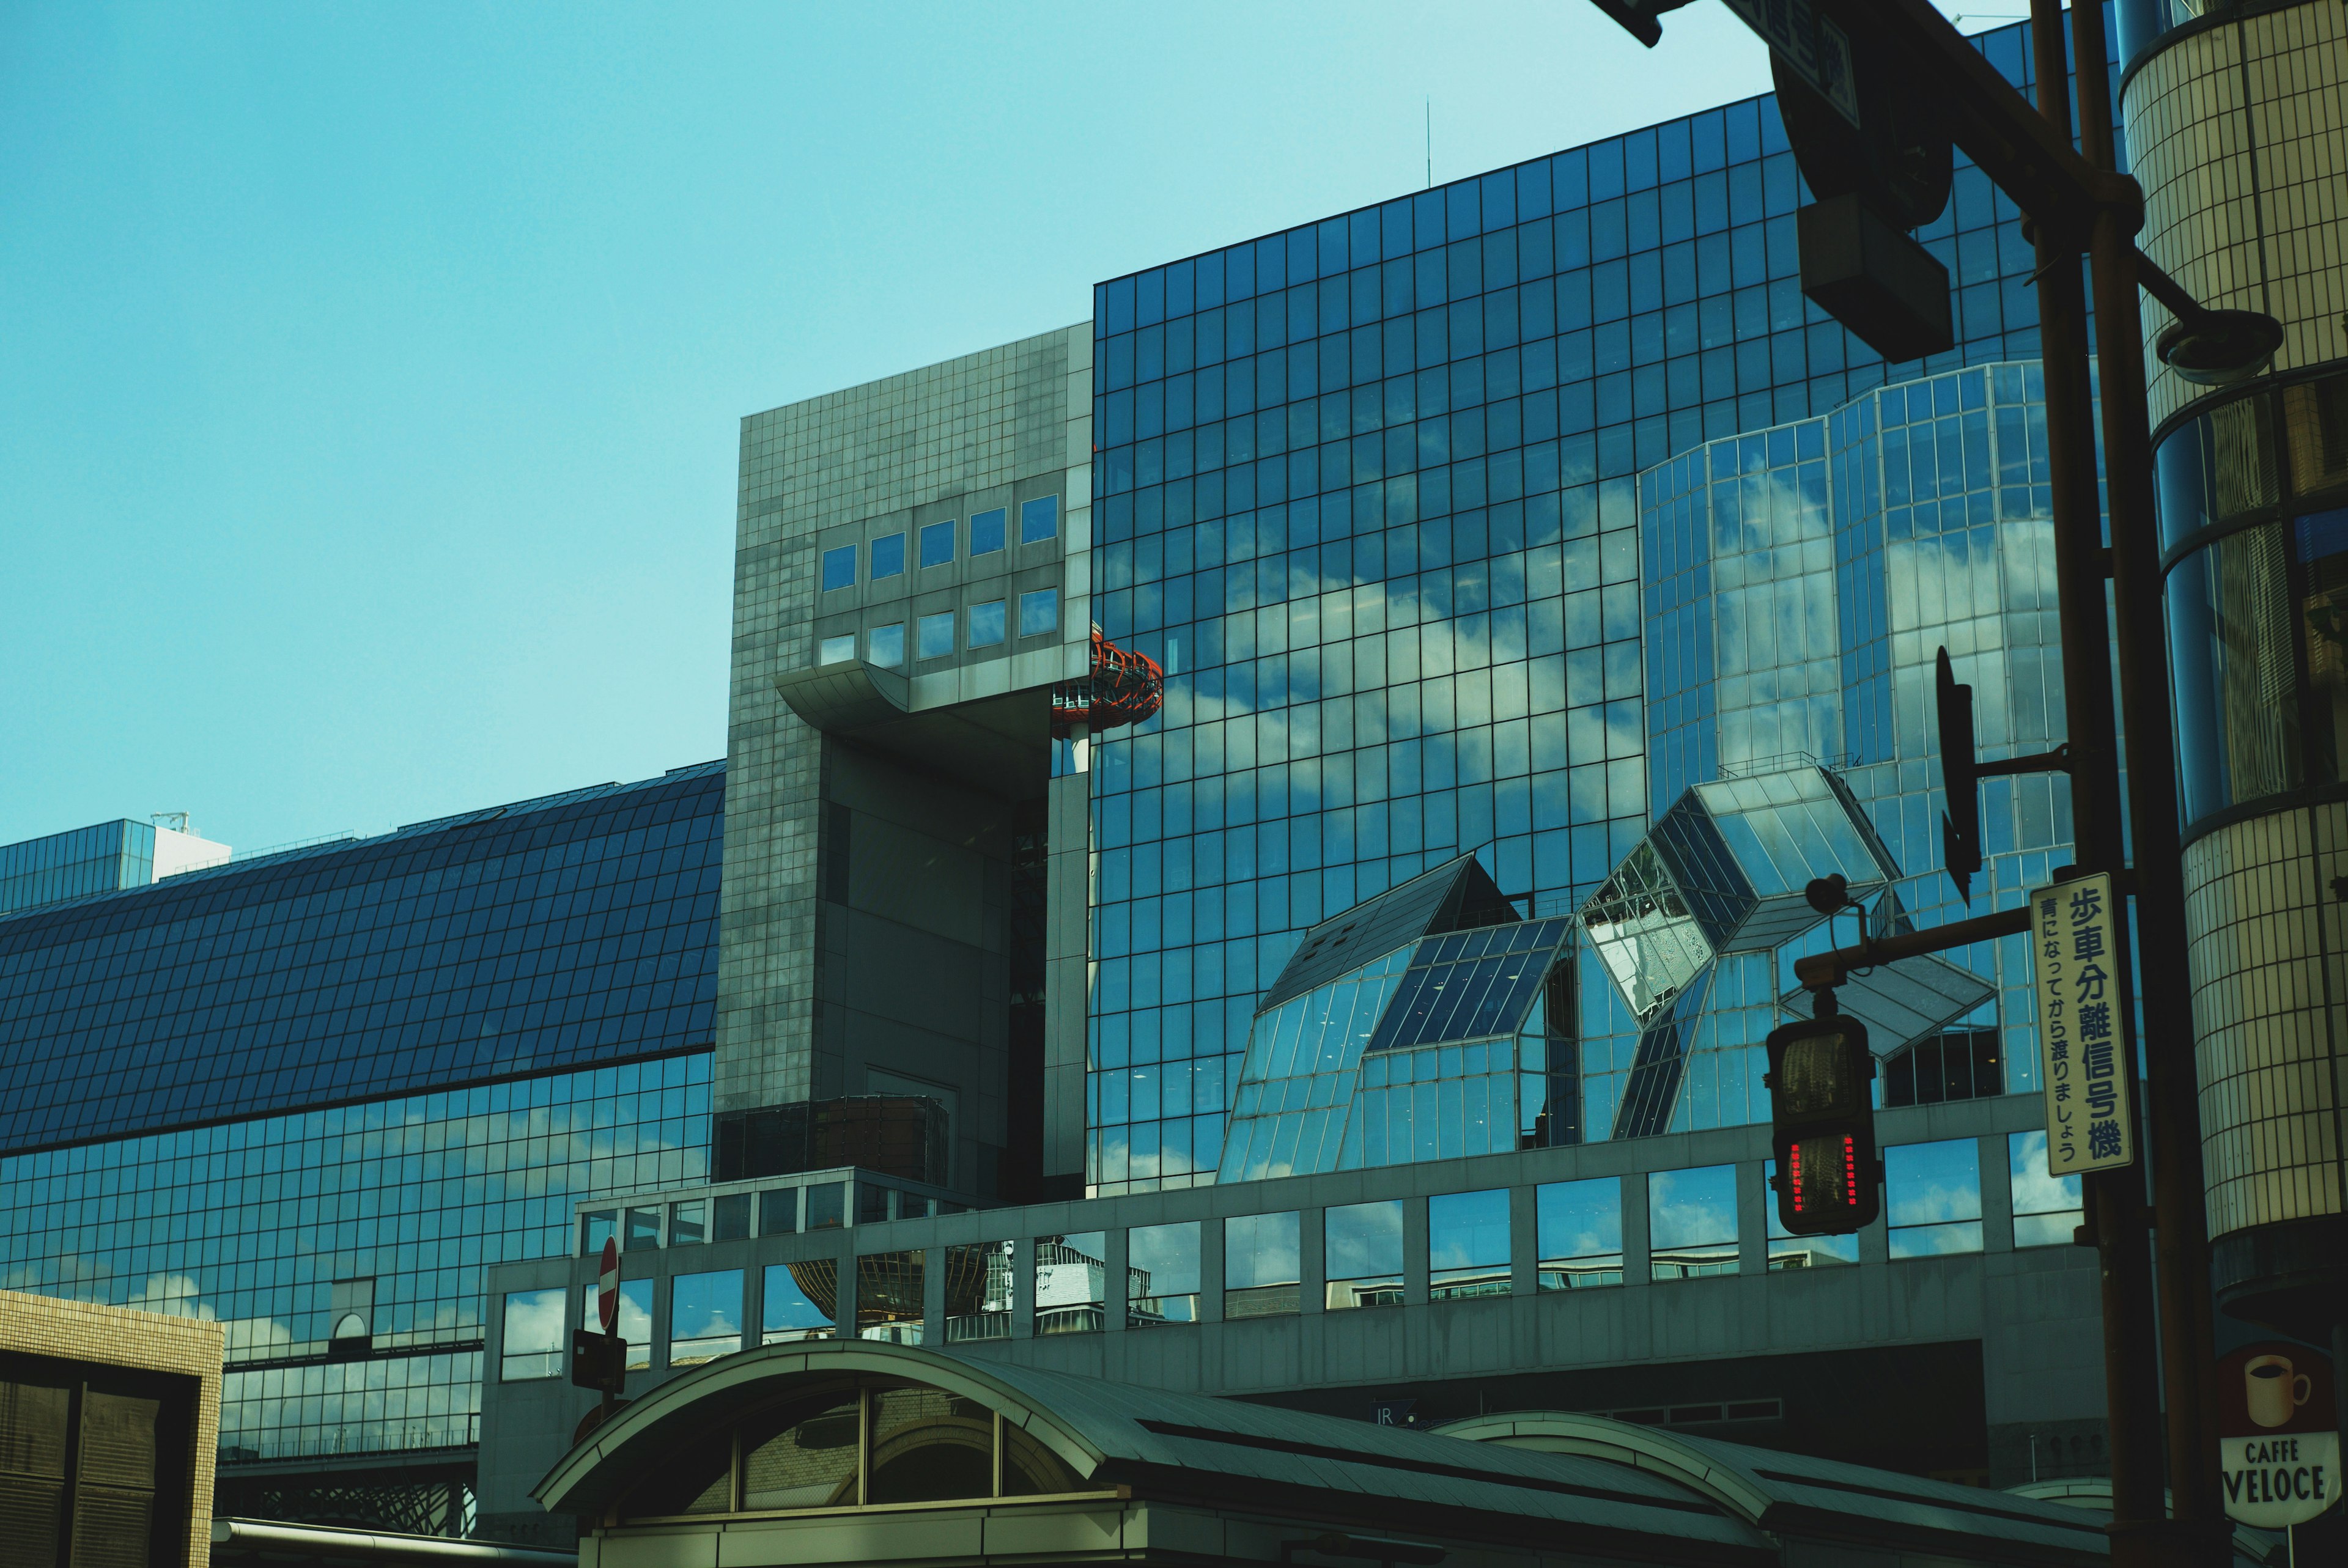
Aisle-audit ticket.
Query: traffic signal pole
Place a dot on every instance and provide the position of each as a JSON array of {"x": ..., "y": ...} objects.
[
  {"x": 2188, "y": 1350},
  {"x": 2077, "y": 204},
  {"x": 2114, "y": 1201}
]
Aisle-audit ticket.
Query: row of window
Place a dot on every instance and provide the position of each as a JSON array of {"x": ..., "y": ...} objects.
[
  {"x": 777, "y": 1211},
  {"x": 1934, "y": 1205},
  {"x": 1039, "y": 520},
  {"x": 933, "y": 635}
]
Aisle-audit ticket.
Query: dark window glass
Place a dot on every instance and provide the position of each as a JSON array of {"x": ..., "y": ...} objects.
[
  {"x": 888, "y": 556},
  {"x": 802, "y": 1455},
  {"x": 930, "y": 1446},
  {"x": 985, "y": 532},
  {"x": 1039, "y": 519},
  {"x": 839, "y": 567},
  {"x": 826, "y": 1207}
]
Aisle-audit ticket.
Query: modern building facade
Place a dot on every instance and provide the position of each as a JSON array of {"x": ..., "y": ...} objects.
[
  {"x": 911, "y": 581},
  {"x": 1480, "y": 537},
  {"x": 100, "y": 858},
  {"x": 311, "y": 1096},
  {"x": 2236, "y": 115}
]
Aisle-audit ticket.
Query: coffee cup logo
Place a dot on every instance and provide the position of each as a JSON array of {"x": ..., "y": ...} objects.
[{"x": 2273, "y": 1392}]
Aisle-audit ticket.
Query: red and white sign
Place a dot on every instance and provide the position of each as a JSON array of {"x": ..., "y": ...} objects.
[
  {"x": 607, "y": 1286},
  {"x": 2278, "y": 1436}
]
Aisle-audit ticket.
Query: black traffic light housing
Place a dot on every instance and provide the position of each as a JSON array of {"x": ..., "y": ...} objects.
[
  {"x": 1829, "y": 1179},
  {"x": 599, "y": 1361},
  {"x": 1960, "y": 849}
]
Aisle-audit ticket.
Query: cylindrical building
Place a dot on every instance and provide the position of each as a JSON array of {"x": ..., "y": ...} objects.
[{"x": 2236, "y": 126}]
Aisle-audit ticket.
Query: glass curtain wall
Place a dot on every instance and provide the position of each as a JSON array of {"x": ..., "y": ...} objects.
[
  {"x": 253, "y": 1224},
  {"x": 1367, "y": 490},
  {"x": 1799, "y": 582}
]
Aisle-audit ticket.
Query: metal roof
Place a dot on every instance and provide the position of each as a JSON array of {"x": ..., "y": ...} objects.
[
  {"x": 1794, "y": 1493},
  {"x": 1452, "y": 897},
  {"x": 1193, "y": 1447}
]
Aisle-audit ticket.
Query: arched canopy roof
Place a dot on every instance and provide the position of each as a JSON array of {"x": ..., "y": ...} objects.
[
  {"x": 1792, "y": 1493},
  {"x": 1187, "y": 1446}
]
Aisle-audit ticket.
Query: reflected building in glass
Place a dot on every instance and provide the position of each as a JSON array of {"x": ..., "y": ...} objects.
[{"x": 1371, "y": 490}]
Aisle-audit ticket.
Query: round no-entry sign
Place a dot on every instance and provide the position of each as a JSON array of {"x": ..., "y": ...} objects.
[
  {"x": 2278, "y": 1450},
  {"x": 607, "y": 1286}
]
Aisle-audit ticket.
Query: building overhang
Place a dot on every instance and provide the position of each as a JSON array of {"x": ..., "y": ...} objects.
[{"x": 1000, "y": 743}]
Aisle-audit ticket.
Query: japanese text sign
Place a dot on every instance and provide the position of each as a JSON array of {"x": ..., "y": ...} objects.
[{"x": 2081, "y": 995}]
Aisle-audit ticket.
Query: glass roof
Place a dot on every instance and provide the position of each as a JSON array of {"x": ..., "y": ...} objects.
[{"x": 1724, "y": 871}]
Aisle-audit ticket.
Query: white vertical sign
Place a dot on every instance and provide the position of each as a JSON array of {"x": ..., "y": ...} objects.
[{"x": 2073, "y": 936}]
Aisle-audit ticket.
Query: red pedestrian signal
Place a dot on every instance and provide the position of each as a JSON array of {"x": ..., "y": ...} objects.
[{"x": 1822, "y": 1127}]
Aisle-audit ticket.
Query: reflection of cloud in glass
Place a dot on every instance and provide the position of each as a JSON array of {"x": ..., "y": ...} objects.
[
  {"x": 534, "y": 1321},
  {"x": 1169, "y": 1255},
  {"x": 705, "y": 1304},
  {"x": 1260, "y": 1249},
  {"x": 1692, "y": 1208},
  {"x": 1926, "y": 1183},
  {"x": 2035, "y": 1192},
  {"x": 1468, "y": 1230},
  {"x": 1364, "y": 1239},
  {"x": 1581, "y": 1219}
]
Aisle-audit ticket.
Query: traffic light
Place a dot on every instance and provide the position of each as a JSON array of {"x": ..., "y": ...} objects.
[
  {"x": 599, "y": 1361},
  {"x": 1822, "y": 1127}
]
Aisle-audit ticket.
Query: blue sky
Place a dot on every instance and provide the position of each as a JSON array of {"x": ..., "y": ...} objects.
[{"x": 372, "y": 372}]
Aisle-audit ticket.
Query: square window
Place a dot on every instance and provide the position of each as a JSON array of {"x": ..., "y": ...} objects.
[
  {"x": 888, "y": 556},
  {"x": 987, "y": 531},
  {"x": 1361, "y": 1246},
  {"x": 1692, "y": 1222},
  {"x": 937, "y": 543},
  {"x": 1931, "y": 1195},
  {"x": 885, "y": 646},
  {"x": 986, "y": 624},
  {"x": 839, "y": 567},
  {"x": 1580, "y": 1229},
  {"x": 1039, "y": 612},
  {"x": 1039, "y": 519},
  {"x": 2047, "y": 1208},
  {"x": 935, "y": 636},
  {"x": 838, "y": 649}
]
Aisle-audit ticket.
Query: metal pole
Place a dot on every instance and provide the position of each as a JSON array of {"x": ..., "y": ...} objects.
[
  {"x": 2140, "y": 1532},
  {"x": 2187, "y": 1348}
]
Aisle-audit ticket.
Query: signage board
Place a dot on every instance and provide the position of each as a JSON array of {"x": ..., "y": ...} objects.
[
  {"x": 607, "y": 1286},
  {"x": 1818, "y": 50},
  {"x": 2082, "y": 994},
  {"x": 2278, "y": 1434}
]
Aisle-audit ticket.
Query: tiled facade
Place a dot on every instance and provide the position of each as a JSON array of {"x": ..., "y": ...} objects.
[
  {"x": 2237, "y": 133},
  {"x": 1005, "y": 433},
  {"x": 2238, "y": 128},
  {"x": 80, "y": 1331},
  {"x": 2269, "y": 978}
]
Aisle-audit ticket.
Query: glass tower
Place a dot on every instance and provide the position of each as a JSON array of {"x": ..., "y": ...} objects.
[
  {"x": 1369, "y": 490},
  {"x": 311, "y": 1095}
]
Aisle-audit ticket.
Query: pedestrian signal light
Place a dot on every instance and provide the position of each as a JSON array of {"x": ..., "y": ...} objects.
[{"x": 1822, "y": 1127}]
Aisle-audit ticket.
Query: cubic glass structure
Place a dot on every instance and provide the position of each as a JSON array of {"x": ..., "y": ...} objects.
[
  {"x": 1415, "y": 1051},
  {"x": 312, "y": 1095},
  {"x": 1369, "y": 490}
]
